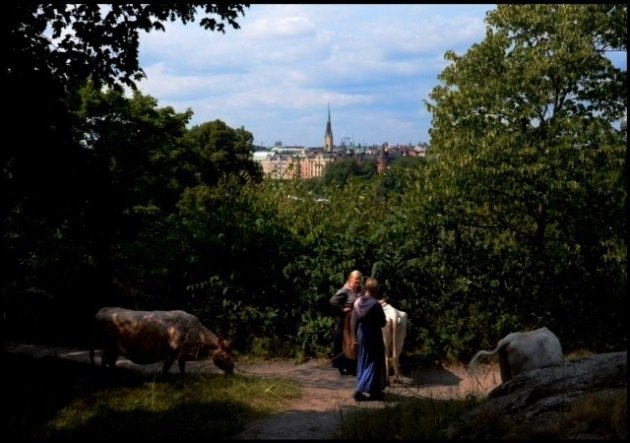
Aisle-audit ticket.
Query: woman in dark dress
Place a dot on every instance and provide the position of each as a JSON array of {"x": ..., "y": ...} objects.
[
  {"x": 344, "y": 351},
  {"x": 368, "y": 319}
]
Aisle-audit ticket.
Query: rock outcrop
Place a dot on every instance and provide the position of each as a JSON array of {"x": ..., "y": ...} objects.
[{"x": 580, "y": 399}]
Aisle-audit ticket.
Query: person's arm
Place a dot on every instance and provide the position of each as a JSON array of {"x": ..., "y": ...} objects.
[{"x": 339, "y": 299}]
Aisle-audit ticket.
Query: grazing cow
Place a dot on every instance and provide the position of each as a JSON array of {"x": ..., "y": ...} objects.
[
  {"x": 524, "y": 351},
  {"x": 151, "y": 336},
  {"x": 394, "y": 333}
]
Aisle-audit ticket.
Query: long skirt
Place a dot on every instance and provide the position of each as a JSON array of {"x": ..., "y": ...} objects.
[{"x": 345, "y": 358}]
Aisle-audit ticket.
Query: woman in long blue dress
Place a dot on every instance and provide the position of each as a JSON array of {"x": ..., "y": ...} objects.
[{"x": 368, "y": 319}]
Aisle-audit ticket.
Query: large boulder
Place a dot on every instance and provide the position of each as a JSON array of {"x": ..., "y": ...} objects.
[{"x": 585, "y": 398}]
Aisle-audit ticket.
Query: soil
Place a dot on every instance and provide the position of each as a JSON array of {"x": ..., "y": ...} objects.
[{"x": 327, "y": 395}]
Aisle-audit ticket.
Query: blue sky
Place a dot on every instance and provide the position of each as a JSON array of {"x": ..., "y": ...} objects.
[{"x": 276, "y": 75}]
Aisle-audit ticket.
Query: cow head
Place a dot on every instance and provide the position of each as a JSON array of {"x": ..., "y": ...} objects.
[{"x": 223, "y": 357}]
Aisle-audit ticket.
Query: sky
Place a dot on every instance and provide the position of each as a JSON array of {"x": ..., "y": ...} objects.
[{"x": 372, "y": 65}]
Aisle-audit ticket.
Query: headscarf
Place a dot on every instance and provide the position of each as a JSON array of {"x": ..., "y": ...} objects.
[{"x": 362, "y": 305}]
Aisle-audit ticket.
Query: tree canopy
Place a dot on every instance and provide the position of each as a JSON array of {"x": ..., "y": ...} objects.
[
  {"x": 74, "y": 42},
  {"x": 515, "y": 219},
  {"x": 51, "y": 51},
  {"x": 64, "y": 174},
  {"x": 529, "y": 163}
]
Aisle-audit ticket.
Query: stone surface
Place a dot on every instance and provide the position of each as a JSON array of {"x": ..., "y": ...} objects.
[{"x": 536, "y": 404}]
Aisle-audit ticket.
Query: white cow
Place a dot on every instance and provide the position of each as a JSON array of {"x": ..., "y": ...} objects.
[
  {"x": 394, "y": 333},
  {"x": 524, "y": 351}
]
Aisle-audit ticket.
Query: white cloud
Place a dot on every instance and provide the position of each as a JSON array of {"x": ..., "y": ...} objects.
[
  {"x": 276, "y": 75},
  {"x": 283, "y": 27}
]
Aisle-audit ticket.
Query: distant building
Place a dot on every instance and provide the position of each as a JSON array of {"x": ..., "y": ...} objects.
[
  {"x": 296, "y": 162},
  {"x": 328, "y": 137},
  {"x": 313, "y": 163}
]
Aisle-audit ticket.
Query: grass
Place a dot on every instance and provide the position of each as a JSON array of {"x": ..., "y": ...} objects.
[
  {"x": 601, "y": 415},
  {"x": 603, "y": 412},
  {"x": 51, "y": 398},
  {"x": 56, "y": 399},
  {"x": 597, "y": 415},
  {"x": 407, "y": 419}
]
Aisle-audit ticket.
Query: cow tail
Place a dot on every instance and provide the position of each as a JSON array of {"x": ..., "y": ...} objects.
[{"x": 478, "y": 355}]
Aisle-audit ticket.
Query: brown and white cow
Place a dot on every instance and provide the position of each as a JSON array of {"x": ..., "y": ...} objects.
[
  {"x": 151, "y": 336},
  {"x": 394, "y": 333},
  {"x": 523, "y": 351}
]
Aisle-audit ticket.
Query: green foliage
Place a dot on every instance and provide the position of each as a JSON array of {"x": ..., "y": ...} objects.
[
  {"x": 313, "y": 332},
  {"x": 339, "y": 172},
  {"x": 514, "y": 220},
  {"x": 396, "y": 178},
  {"x": 524, "y": 134},
  {"x": 103, "y": 44},
  {"x": 224, "y": 151},
  {"x": 57, "y": 189}
]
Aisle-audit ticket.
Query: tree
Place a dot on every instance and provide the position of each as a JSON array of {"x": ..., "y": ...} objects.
[
  {"x": 341, "y": 171},
  {"x": 96, "y": 41},
  {"x": 393, "y": 180},
  {"x": 48, "y": 177},
  {"x": 51, "y": 50},
  {"x": 528, "y": 178},
  {"x": 224, "y": 151}
]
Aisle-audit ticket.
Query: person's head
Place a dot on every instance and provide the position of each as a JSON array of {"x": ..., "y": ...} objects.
[
  {"x": 371, "y": 286},
  {"x": 354, "y": 279}
]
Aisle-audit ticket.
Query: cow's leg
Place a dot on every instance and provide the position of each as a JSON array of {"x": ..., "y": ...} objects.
[
  {"x": 182, "y": 365},
  {"x": 396, "y": 352},
  {"x": 396, "y": 363},
  {"x": 109, "y": 358},
  {"x": 396, "y": 367},
  {"x": 504, "y": 365},
  {"x": 400, "y": 333},
  {"x": 167, "y": 364},
  {"x": 387, "y": 341}
]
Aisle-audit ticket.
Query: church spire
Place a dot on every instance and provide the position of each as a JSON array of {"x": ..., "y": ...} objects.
[{"x": 328, "y": 138}]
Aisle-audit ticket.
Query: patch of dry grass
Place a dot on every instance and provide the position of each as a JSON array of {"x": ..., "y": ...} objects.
[
  {"x": 408, "y": 419},
  {"x": 602, "y": 414}
]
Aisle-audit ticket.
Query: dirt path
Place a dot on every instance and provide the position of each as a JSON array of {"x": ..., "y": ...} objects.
[{"x": 327, "y": 395}]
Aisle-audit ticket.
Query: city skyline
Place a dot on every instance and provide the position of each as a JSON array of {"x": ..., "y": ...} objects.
[{"x": 374, "y": 65}]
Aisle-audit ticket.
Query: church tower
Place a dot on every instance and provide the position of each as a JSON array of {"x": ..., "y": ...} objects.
[{"x": 328, "y": 138}]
